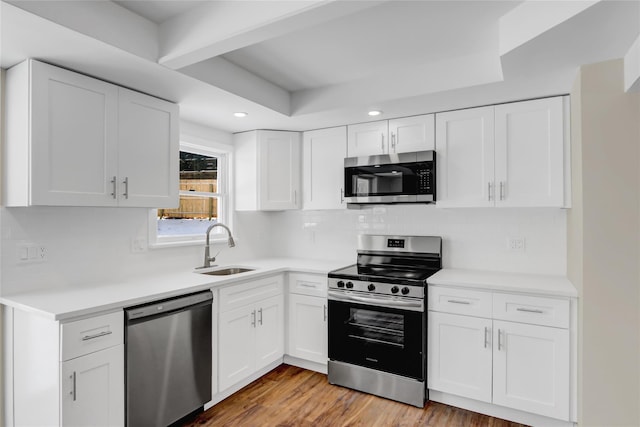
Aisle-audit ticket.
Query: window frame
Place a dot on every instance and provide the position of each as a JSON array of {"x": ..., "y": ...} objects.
[{"x": 223, "y": 195}]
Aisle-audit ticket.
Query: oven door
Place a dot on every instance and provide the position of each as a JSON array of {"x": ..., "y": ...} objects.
[{"x": 388, "y": 339}]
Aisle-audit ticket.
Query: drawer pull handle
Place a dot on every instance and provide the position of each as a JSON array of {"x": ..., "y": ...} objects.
[
  {"x": 455, "y": 301},
  {"x": 101, "y": 334},
  {"x": 530, "y": 310},
  {"x": 306, "y": 285},
  {"x": 486, "y": 332},
  {"x": 73, "y": 390},
  {"x": 499, "y": 340}
]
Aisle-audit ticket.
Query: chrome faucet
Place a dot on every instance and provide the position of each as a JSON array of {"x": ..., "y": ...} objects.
[{"x": 207, "y": 258}]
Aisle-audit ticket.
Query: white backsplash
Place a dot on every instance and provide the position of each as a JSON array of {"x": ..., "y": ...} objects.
[
  {"x": 472, "y": 238},
  {"x": 92, "y": 245}
]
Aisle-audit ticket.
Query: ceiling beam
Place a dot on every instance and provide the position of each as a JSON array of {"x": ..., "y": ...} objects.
[
  {"x": 215, "y": 28},
  {"x": 229, "y": 77},
  {"x": 632, "y": 68},
  {"x": 533, "y": 18},
  {"x": 99, "y": 20}
]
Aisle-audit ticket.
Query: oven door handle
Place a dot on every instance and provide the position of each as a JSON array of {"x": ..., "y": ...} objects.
[{"x": 377, "y": 301}]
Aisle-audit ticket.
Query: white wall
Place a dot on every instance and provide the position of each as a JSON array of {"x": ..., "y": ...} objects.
[
  {"x": 92, "y": 245},
  {"x": 472, "y": 238},
  {"x": 604, "y": 246}
]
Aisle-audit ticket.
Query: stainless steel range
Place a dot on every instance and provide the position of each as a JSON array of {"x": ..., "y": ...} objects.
[{"x": 377, "y": 317}]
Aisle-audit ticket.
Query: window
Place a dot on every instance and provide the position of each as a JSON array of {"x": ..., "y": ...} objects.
[{"x": 203, "y": 198}]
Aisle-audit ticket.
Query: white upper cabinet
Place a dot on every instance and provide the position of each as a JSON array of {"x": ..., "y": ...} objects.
[
  {"x": 416, "y": 133},
  {"x": 368, "y": 139},
  {"x": 529, "y": 150},
  {"x": 267, "y": 170},
  {"x": 148, "y": 147},
  {"x": 73, "y": 140},
  {"x": 401, "y": 135},
  {"x": 464, "y": 157},
  {"x": 509, "y": 155},
  {"x": 324, "y": 151}
]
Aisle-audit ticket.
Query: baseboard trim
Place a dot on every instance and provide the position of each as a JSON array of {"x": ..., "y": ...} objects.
[{"x": 305, "y": 364}]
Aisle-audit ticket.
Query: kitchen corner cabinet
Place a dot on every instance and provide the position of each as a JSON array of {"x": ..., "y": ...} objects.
[
  {"x": 267, "y": 170},
  {"x": 72, "y": 140},
  {"x": 508, "y": 155},
  {"x": 506, "y": 349},
  {"x": 323, "y": 153},
  {"x": 64, "y": 374},
  {"x": 406, "y": 134},
  {"x": 307, "y": 323},
  {"x": 251, "y": 328}
]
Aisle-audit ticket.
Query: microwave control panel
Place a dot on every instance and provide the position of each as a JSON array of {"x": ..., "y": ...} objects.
[{"x": 425, "y": 179}]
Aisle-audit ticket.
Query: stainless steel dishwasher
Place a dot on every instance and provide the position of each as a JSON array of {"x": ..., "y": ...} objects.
[{"x": 168, "y": 364}]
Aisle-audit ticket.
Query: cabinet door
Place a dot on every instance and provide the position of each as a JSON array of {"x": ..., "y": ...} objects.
[
  {"x": 459, "y": 355},
  {"x": 308, "y": 328},
  {"x": 531, "y": 368},
  {"x": 368, "y": 139},
  {"x": 530, "y": 153},
  {"x": 73, "y": 136},
  {"x": 92, "y": 389},
  {"x": 324, "y": 151},
  {"x": 465, "y": 158},
  {"x": 279, "y": 185},
  {"x": 236, "y": 342},
  {"x": 269, "y": 331},
  {"x": 415, "y": 133},
  {"x": 148, "y": 151}
]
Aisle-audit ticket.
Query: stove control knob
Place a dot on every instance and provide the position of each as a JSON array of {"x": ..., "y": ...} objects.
[
  {"x": 349, "y": 285},
  {"x": 371, "y": 287},
  {"x": 405, "y": 290},
  {"x": 395, "y": 290},
  {"x": 340, "y": 284}
]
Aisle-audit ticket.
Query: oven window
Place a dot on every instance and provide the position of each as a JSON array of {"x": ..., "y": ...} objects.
[{"x": 376, "y": 327}]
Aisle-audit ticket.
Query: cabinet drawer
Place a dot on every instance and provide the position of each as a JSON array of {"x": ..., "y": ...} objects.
[
  {"x": 236, "y": 296},
  {"x": 89, "y": 335},
  {"x": 459, "y": 301},
  {"x": 308, "y": 284},
  {"x": 529, "y": 309}
]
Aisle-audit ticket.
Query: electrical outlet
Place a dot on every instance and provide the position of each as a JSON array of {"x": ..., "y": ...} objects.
[
  {"x": 516, "y": 244},
  {"x": 138, "y": 244},
  {"x": 30, "y": 253}
]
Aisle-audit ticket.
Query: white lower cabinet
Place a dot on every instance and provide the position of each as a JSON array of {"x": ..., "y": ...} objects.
[
  {"x": 92, "y": 390},
  {"x": 308, "y": 328},
  {"x": 63, "y": 374},
  {"x": 307, "y": 322},
  {"x": 522, "y": 364},
  {"x": 250, "y": 336}
]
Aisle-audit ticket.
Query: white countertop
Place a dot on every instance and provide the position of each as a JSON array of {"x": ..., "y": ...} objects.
[
  {"x": 536, "y": 284},
  {"x": 72, "y": 302}
]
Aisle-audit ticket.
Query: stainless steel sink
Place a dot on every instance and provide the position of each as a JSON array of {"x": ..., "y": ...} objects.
[{"x": 227, "y": 271}]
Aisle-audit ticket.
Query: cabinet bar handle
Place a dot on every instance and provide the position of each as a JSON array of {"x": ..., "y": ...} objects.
[
  {"x": 499, "y": 340},
  {"x": 113, "y": 182},
  {"x": 306, "y": 285},
  {"x": 325, "y": 312},
  {"x": 455, "y": 301},
  {"x": 260, "y": 318},
  {"x": 73, "y": 390},
  {"x": 126, "y": 187},
  {"x": 382, "y": 141},
  {"x": 486, "y": 331},
  {"x": 101, "y": 334},
  {"x": 489, "y": 191},
  {"x": 253, "y": 318},
  {"x": 295, "y": 197},
  {"x": 342, "y": 195},
  {"x": 501, "y": 190},
  {"x": 394, "y": 140},
  {"x": 529, "y": 310}
]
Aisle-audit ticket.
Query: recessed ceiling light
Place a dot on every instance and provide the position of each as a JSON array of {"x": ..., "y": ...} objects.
[
  {"x": 240, "y": 114},
  {"x": 374, "y": 112}
]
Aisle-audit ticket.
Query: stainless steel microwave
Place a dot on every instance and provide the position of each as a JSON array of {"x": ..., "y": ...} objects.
[{"x": 390, "y": 178}]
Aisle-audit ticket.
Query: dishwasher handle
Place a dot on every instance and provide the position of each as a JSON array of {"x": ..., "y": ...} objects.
[{"x": 168, "y": 306}]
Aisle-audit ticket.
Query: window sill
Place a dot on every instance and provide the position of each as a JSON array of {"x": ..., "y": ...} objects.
[{"x": 181, "y": 243}]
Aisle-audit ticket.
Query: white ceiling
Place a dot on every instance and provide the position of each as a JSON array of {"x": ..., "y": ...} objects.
[{"x": 310, "y": 64}]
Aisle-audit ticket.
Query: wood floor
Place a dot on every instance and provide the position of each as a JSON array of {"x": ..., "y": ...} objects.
[{"x": 291, "y": 396}]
